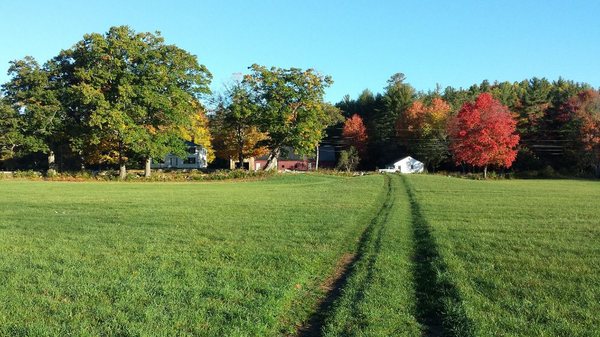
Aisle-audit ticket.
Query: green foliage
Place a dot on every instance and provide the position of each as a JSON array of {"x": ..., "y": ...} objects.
[
  {"x": 138, "y": 176},
  {"x": 290, "y": 108},
  {"x": 348, "y": 160},
  {"x": 34, "y": 95},
  {"x": 27, "y": 175},
  {"x": 11, "y": 136},
  {"x": 130, "y": 94},
  {"x": 235, "y": 125}
]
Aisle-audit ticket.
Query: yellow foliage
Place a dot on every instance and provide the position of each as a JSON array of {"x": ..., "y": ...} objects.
[{"x": 198, "y": 132}]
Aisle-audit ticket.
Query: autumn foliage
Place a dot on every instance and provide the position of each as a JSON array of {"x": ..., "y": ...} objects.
[
  {"x": 582, "y": 112},
  {"x": 421, "y": 118},
  {"x": 422, "y": 129},
  {"x": 483, "y": 133},
  {"x": 355, "y": 134}
]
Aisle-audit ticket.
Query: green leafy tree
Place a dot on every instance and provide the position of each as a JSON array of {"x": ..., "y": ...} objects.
[
  {"x": 396, "y": 100},
  {"x": 290, "y": 108},
  {"x": 34, "y": 95},
  {"x": 534, "y": 103},
  {"x": 11, "y": 136},
  {"x": 235, "y": 125},
  {"x": 348, "y": 160},
  {"x": 130, "y": 95}
]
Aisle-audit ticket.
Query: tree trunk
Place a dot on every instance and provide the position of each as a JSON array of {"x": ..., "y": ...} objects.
[
  {"x": 485, "y": 172},
  {"x": 81, "y": 161},
  {"x": 51, "y": 163},
  {"x": 122, "y": 170},
  {"x": 271, "y": 160},
  {"x": 148, "y": 168},
  {"x": 317, "y": 160},
  {"x": 241, "y": 161}
]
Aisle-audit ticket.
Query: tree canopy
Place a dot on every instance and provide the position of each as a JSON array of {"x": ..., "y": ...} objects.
[
  {"x": 290, "y": 108},
  {"x": 483, "y": 133},
  {"x": 355, "y": 134}
]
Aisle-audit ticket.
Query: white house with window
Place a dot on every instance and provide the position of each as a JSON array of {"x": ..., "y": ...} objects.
[{"x": 195, "y": 159}]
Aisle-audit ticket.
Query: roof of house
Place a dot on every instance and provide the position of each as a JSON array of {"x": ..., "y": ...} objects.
[{"x": 406, "y": 158}]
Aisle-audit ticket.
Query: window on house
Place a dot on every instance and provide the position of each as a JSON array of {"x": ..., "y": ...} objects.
[
  {"x": 192, "y": 149},
  {"x": 190, "y": 160}
]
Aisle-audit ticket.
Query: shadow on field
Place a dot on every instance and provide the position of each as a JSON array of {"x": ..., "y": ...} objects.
[
  {"x": 369, "y": 246},
  {"x": 438, "y": 304}
]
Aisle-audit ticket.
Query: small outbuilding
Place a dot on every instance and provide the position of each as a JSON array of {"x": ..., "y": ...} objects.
[{"x": 405, "y": 165}]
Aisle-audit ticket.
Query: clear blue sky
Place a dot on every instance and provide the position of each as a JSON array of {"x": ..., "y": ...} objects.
[{"x": 359, "y": 43}]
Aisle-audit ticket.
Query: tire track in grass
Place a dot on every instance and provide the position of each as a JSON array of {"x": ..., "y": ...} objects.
[
  {"x": 368, "y": 248},
  {"x": 439, "y": 307}
]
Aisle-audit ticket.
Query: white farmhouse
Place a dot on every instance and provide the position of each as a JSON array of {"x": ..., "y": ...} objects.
[
  {"x": 195, "y": 159},
  {"x": 405, "y": 165}
]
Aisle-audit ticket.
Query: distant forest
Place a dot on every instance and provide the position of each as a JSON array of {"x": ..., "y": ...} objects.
[{"x": 557, "y": 121}]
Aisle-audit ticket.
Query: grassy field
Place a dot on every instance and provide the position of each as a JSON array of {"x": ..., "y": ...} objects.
[
  {"x": 378, "y": 298},
  {"x": 523, "y": 255},
  {"x": 214, "y": 259},
  {"x": 302, "y": 255}
]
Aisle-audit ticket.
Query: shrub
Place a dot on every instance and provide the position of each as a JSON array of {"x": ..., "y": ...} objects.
[
  {"x": 27, "y": 174},
  {"x": 349, "y": 160}
]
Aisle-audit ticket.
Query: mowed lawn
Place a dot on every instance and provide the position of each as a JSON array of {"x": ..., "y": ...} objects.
[
  {"x": 428, "y": 255},
  {"x": 158, "y": 259},
  {"x": 524, "y": 255}
]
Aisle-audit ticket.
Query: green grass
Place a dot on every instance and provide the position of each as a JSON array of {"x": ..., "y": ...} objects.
[
  {"x": 433, "y": 256},
  {"x": 378, "y": 298},
  {"x": 151, "y": 259},
  {"x": 524, "y": 256}
]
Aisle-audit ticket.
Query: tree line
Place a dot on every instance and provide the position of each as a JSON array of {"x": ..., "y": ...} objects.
[
  {"x": 121, "y": 98},
  {"x": 533, "y": 124}
]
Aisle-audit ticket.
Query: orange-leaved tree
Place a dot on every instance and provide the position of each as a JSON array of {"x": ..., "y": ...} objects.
[
  {"x": 355, "y": 134},
  {"x": 483, "y": 133},
  {"x": 422, "y": 129}
]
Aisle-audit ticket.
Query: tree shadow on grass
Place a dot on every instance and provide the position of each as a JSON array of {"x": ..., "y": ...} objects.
[
  {"x": 439, "y": 307},
  {"x": 369, "y": 246}
]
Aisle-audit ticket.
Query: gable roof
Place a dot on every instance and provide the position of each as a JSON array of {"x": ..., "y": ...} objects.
[{"x": 406, "y": 158}]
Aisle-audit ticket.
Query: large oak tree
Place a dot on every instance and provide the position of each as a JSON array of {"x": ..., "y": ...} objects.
[
  {"x": 131, "y": 94},
  {"x": 290, "y": 108},
  {"x": 35, "y": 96}
]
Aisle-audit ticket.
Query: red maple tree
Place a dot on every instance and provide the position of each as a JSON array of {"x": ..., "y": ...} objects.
[
  {"x": 355, "y": 134},
  {"x": 483, "y": 133}
]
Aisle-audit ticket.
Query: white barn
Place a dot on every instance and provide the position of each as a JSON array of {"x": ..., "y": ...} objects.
[
  {"x": 196, "y": 159},
  {"x": 405, "y": 165}
]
